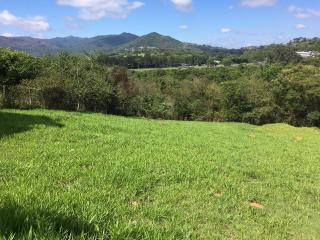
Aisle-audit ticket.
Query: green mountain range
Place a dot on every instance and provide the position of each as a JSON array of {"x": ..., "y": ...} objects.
[
  {"x": 103, "y": 43},
  {"x": 130, "y": 42}
]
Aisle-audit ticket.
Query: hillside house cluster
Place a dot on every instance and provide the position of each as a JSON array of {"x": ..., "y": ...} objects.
[{"x": 308, "y": 54}]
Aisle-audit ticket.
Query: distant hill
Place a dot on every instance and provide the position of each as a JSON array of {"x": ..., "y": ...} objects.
[
  {"x": 98, "y": 43},
  {"x": 70, "y": 44},
  {"x": 31, "y": 45},
  {"x": 155, "y": 40},
  {"x": 103, "y": 43}
]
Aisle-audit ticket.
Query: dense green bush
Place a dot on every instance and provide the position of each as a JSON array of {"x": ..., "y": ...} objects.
[{"x": 14, "y": 67}]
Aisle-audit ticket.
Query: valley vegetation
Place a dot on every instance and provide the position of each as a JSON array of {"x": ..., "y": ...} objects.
[{"x": 266, "y": 85}]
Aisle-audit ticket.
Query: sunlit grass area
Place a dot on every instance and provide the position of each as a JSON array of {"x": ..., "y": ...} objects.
[{"x": 92, "y": 176}]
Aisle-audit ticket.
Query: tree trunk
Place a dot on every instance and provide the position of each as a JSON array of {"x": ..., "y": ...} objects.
[
  {"x": 78, "y": 106},
  {"x": 4, "y": 95},
  {"x": 30, "y": 97}
]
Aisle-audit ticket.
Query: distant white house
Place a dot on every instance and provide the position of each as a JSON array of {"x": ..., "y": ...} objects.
[{"x": 308, "y": 54}]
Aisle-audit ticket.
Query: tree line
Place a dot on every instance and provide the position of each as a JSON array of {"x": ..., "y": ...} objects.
[
  {"x": 153, "y": 59},
  {"x": 160, "y": 58},
  {"x": 257, "y": 94}
]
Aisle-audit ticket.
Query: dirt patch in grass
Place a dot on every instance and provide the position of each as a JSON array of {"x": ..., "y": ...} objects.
[{"x": 298, "y": 139}]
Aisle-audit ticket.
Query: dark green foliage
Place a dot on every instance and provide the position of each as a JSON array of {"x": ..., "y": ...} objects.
[
  {"x": 235, "y": 101},
  {"x": 296, "y": 92},
  {"x": 154, "y": 58},
  {"x": 315, "y": 61},
  {"x": 257, "y": 94},
  {"x": 313, "y": 118},
  {"x": 14, "y": 67},
  {"x": 304, "y": 44},
  {"x": 282, "y": 54},
  {"x": 74, "y": 83},
  {"x": 55, "y": 98}
]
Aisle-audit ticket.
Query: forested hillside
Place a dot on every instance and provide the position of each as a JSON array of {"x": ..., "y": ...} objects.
[{"x": 40, "y": 47}]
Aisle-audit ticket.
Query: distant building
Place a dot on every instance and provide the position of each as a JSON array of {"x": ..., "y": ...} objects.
[{"x": 308, "y": 54}]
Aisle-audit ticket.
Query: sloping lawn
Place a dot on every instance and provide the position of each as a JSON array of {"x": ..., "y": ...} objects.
[{"x": 91, "y": 176}]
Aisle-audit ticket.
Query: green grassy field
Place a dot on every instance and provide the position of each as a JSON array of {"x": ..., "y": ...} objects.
[{"x": 91, "y": 176}]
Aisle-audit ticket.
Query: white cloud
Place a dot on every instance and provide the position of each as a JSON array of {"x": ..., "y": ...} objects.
[
  {"x": 314, "y": 13},
  {"x": 225, "y": 30},
  {"x": 96, "y": 9},
  {"x": 258, "y": 3},
  {"x": 184, "y": 27},
  {"x": 300, "y": 26},
  {"x": 7, "y": 35},
  {"x": 71, "y": 23},
  {"x": 293, "y": 8},
  {"x": 183, "y": 5},
  {"x": 30, "y": 24},
  {"x": 302, "y": 13}
]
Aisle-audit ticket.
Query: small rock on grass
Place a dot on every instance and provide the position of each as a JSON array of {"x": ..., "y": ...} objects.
[{"x": 135, "y": 204}]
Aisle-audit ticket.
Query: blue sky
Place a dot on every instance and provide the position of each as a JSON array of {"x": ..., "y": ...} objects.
[{"x": 228, "y": 23}]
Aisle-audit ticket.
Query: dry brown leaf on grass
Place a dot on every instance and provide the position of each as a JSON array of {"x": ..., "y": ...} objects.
[
  {"x": 255, "y": 204},
  {"x": 217, "y": 194}
]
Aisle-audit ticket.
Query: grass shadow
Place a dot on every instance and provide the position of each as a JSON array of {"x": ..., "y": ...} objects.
[
  {"x": 18, "y": 221},
  {"x": 12, "y": 123}
]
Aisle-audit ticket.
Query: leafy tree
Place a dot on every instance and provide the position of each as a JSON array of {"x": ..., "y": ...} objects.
[
  {"x": 235, "y": 100},
  {"x": 123, "y": 89},
  {"x": 14, "y": 67},
  {"x": 296, "y": 92},
  {"x": 282, "y": 54}
]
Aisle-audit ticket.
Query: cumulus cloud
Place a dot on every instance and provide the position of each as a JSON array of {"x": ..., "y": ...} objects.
[
  {"x": 225, "y": 30},
  {"x": 183, "y": 5},
  {"x": 300, "y": 26},
  {"x": 7, "y": 35},
  {"x": 71, "y": 23},
  {"x": 258, "y": 3},
  {"x": 184, "y": 27},
  {"x": 96, "y": 9},
  {"x": 302, "y": 13},
  {"x": 30, "y": 24}
]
